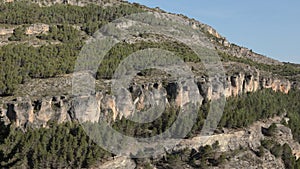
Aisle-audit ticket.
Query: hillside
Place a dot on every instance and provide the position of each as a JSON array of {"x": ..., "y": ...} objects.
[{"x": 74, "y": 72}]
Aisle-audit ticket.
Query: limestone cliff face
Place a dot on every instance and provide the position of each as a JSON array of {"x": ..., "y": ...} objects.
[
  {"x": 242, "y": 83},
  {"x": 25, "y": 111}
]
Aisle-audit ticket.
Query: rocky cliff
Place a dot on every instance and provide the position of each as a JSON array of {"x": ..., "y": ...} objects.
[
  {"x": 39, "y": 102},
  {"x": 32, "y": 110}
]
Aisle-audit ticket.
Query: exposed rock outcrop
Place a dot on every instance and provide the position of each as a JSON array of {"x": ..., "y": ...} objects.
[
  {"x": 249, "y": 160},
  {"x": 4, "y": 31},
  {"x": 250, "y": 137},
  {"x": 37, "y": 29},
  {"x": 23, "y": 111},
  {"x": 232, "y": 141},
  {"x": 118, "y": 162},
  {"x": 222, "y": 44},
  {"x": 242, "y": 83},
  {"x": 37, "y": 112}
]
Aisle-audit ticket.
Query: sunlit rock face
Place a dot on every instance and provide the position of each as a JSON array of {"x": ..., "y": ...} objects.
[
  {"x": 136, "y": 98},
  {"x": 37, "y": 29}
]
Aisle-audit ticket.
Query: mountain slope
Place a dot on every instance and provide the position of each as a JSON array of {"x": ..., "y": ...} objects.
[{"x": 40, "y": 42}]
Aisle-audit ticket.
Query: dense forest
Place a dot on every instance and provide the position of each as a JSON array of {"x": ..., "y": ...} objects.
[
  {"x": 24, "y": 12},
  {"x": 60, "y": 146}
]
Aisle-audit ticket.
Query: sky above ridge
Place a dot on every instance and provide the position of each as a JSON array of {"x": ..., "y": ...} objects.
[{"x": 270, "y": 27}]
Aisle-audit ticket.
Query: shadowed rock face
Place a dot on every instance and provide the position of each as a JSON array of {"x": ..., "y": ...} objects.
[
  {"x": 138, "y": 97},
  {"x": 20, "y": 111},
  {"x": 23, "y": 111}
]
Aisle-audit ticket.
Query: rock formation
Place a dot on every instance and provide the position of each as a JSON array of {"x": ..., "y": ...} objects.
[
  {"x": 24, "y": 111},
  {"x": 5, "y": 31},
  {"x": 37, "y": 29}
]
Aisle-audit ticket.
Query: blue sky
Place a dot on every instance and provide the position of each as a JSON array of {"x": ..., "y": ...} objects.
[{"x": 269, "y": 27}]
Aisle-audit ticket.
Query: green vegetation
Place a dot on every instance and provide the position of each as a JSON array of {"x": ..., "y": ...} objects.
[
  {"x": 60, "y": 146},
  {"x": 147, "y": 129},
  {"x": 270, "y": 131},
  {"x": 248, "y": 108},
  {"x": 245, "y": 109},
  {"x": 23, "y": 12},
  {"x": 206, "y": 156},
  {"x": 18, "y": 34},
  {"x": 120, "y": 51},
  {"x": 260, "y": 152},
  {"x": 293, "y": 113},
  {"x": 63, "y": 33},
  {"x": 19, "y": 62},
  {"x": 202, "y": 157},
  {"x": 276, "y": 150},
  {"x": 161, "y": 124},
  {"x": 267, "y": 143}
]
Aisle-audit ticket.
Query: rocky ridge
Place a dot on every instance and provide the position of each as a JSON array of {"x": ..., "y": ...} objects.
[{"x": 221, "y": 43}]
